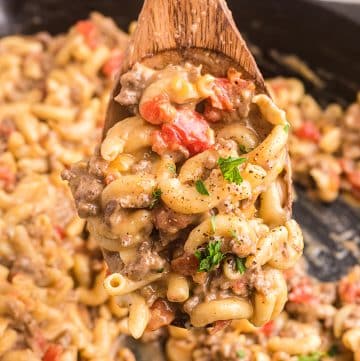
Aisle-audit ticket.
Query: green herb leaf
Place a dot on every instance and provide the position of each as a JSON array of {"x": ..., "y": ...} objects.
[
  {"x": 240, "y": 354},
  {"x": 160, "y": 270},
  {"x": 314, "y": 356},
  {"x": 287, "y": 127},
  {"x": 213, "y": 223},
  {"x": 200, "y": 187},
  {"x": 333, "y": 351},
  {"x": 210, "y": 257},
  {"x": 240, "y": 265},
  {"x": 229, "y": 169},
  {"x": 172, "y": 168},
  {"x": 156, "y": 194}
]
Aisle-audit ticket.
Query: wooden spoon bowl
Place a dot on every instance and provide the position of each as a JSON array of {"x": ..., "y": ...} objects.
[
  {"x": 201, "y": 32},
  {"x": 176, "y": 31}
]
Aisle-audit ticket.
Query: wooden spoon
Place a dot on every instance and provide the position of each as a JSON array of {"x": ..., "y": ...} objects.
[{"x": 200, "y": 32}]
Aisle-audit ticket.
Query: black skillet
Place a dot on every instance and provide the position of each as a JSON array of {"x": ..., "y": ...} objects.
[{"x": 327, "y": 41}]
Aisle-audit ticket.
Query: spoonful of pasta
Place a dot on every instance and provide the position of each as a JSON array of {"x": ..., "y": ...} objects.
[{"x": 189, "y": 193}]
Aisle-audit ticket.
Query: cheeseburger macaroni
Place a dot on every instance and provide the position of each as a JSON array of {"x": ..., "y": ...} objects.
[{"x": 191, "y": 200}]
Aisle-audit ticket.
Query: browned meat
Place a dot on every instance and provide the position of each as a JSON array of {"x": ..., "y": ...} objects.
[
  {"x": 86, "y": 184},
  {"x": 161, "y": 315},
  {"x": 233, "y": 99},
  {"x": 132, "y": 85},
  {"x": 170, "y": 223},
  {"x": 186, "y": 265},
  {"x": 144, "y": 166},
  {"x": 147, "y": 262},
  {"x": 27, "y": 266},
  {"x": 240, "y": 287}
]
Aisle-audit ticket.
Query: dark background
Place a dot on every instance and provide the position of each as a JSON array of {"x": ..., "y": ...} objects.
[{"x": 327, "y": 40}]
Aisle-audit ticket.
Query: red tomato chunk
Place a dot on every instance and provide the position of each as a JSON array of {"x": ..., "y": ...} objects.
[
  {"x": 267, "y": 329},
  {"x": 221, "y": 99},
  {"x": 189, "y": 130},
  {"x": 308, "y": 131},
  {"x": 158, "y": 110},
  {"x": 53, "y": 353},
  {"x": 354, "y": 178},
  {"x": 349, "y": 287},
  {"x": 302, "y": 292},
  {"x": 88, "y": 30},
  {"x": 113, "y": 64}
]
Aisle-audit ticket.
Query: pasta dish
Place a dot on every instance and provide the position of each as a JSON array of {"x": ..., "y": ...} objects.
[
  {"x": 191, "y": 200},
  {"x": 53, "y": 307},
  {"x": 324, "y": 144}
]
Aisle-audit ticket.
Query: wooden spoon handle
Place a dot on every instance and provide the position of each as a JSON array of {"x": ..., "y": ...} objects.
[{"x": 183, "y": 24}]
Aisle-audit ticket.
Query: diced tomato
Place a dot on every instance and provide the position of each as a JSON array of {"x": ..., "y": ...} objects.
[
  {"x": 308, "y": 131},
  {"x": 289, "y": 274},
  {"x": 221, "y": 98},
  {"x": 158, "y": 110},
  {"x": 352, "y": 175},
  {"x": 354, "y": 178},
  {"x": 161, "y": 315},
  {"x": 113, "y": 64},
  {"x": 88, "y": 30},
  {"x": 53, "y": 353},
  {"x": 268, "y": 328},
  {"x": 228, "y": 92},
  {"x": 347, "y": 165},
  {"x": 39, "y": 340},
  {"x": 349, "y": 287},
  {"x": 186, "y": 265},
  {"x": 349, "y": 292},
  {"x": 302, "y": 292},
  {"x": 277, "y": 86},
  {"x": 59, "y": 231},
  {"x": 189, "y": 129},
  {"x": 7, "y": 177}
]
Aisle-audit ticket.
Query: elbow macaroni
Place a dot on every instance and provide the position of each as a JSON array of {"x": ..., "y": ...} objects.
[
  {"x": 51, "y": 274},
  {"x": 140, "y": 180}
]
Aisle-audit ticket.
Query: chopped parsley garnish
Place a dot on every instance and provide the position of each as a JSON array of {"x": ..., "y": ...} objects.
[
  {"x": 160, "y": 270},
  {"x": 333, "y": 351},
  {"x": 213, "y": 224},
  {"x": 240, "y": 265},
  {"x": 229, "y": 169},
  {"x": 209, "y": 257},
  {"x": 172, "y": 168},
  {"x": 287, "y": 127},
  {"x": 156, "y": 194},
  {"x": 240, "y": 354},
  {"x": 314, "y": 356},
  {"x": 200, "y": 187}
]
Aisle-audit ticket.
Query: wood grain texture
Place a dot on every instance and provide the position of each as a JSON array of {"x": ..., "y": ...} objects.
[
  {"x": 175, "y": 31},
  {"x": 182, "y": 24}
]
